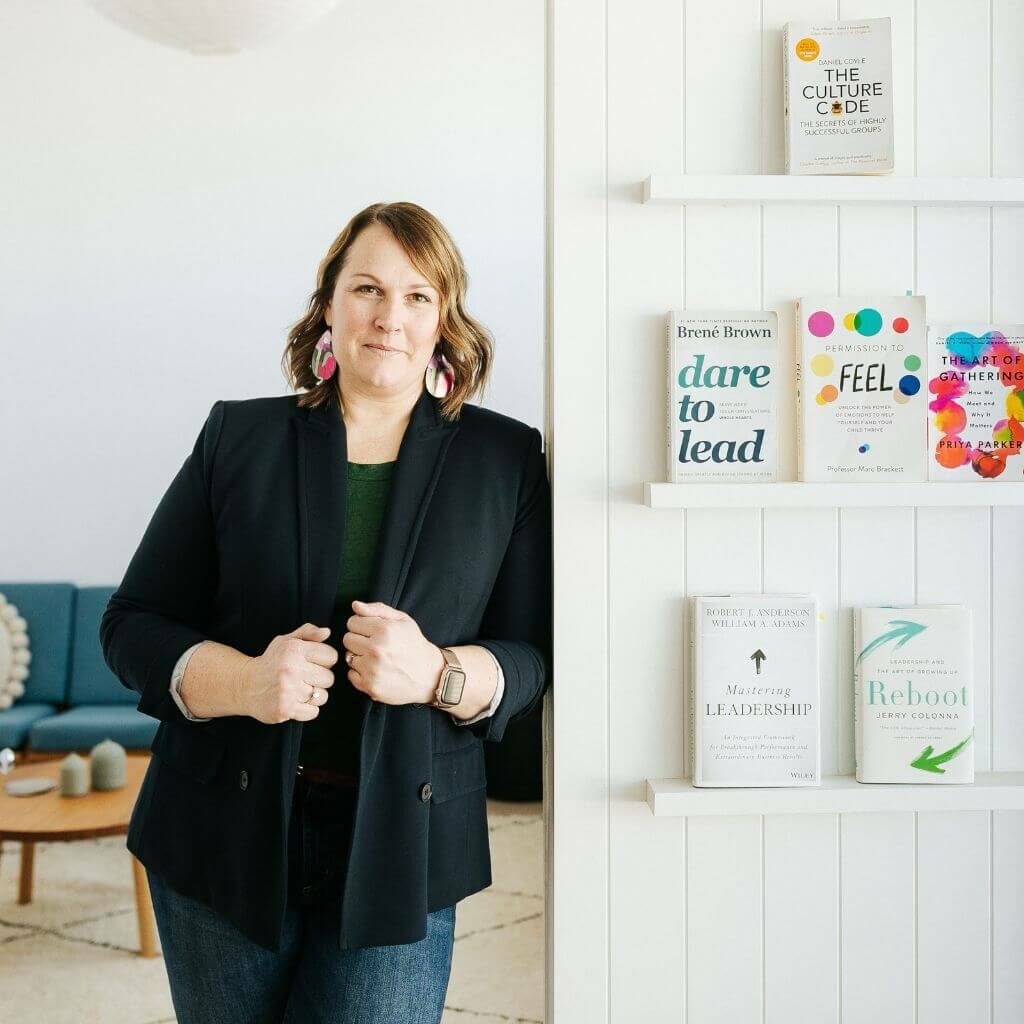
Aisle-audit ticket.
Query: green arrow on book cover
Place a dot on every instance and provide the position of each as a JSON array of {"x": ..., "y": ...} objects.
[
  {"x": 905, "y": 629},
  {"x": 927, "y": 763}
]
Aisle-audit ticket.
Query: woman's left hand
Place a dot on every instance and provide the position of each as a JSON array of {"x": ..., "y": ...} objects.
[{"x": 392, "y": 661}]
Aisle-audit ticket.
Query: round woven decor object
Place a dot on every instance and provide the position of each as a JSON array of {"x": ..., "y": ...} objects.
[{"x": 14, "y": 653}]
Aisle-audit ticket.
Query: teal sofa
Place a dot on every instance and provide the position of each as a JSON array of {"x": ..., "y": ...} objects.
[{"x": 71, "y": 700}]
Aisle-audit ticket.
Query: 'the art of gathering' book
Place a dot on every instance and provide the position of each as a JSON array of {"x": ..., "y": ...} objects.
[
  {"x": 755, "y": 711},
  {"x": 860, "y": 369},
  {"x": 722, "y": 369},
  {"x": 976, "y": 402},
  {"x": 837, "y": 90}
]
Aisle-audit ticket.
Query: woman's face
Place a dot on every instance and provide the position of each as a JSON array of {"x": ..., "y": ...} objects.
[{"x": 384, "y": 317}]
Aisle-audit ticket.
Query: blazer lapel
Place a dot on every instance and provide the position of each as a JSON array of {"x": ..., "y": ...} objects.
[{"x": 322, "y": 454}]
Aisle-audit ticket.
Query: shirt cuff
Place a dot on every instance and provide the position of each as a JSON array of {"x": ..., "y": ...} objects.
[
  {"x": 495, "y": 700},
  {"x": 176, "y": 677}
]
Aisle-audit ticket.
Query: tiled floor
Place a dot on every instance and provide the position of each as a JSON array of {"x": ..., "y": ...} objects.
[{"x": 69, "y": 957}]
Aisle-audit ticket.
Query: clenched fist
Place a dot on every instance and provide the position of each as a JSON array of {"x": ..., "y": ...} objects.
[{"x": 291, "y": 679}]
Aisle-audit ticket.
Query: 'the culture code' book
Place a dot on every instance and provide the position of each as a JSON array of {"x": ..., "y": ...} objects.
[
  {"x": 721, "y": 396},
  {"x": 913, "y": 694},
  {"x": 976, "y": 402},
  {"x": 837, "y": 90},
  {"x": 755, "y": 715},
  {"x": 860, "y": 404}
]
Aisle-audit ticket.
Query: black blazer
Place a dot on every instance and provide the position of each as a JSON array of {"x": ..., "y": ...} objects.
[{"x": 247, "y": 544}]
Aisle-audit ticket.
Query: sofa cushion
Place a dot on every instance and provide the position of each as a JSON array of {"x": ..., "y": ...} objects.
[
  {"x": 16, "y": 721},
  {"x": 83, "y": 727},
  {"x": 47, "y": 609},
  {"x": 91, "y": 681}
]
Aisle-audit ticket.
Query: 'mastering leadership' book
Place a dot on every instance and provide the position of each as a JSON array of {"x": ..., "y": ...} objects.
[
  {"x": 860, "y": 363},
  {"x": 913, "y": 694},
  {"x": 976, "y": 402},
  {"x": 721, "y": 396},
  {"x": 754, "y": 713},
  {"x": 837, "y": 91}
]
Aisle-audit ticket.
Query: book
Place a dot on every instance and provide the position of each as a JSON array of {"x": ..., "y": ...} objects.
[
  {"x": 837, "y": 95},
  {"x": 976, "y": 406},
  {"x": 913, "y": 694},
  {"x": 755, "y": 710},
  {"x": 860, "y": 403},
  {"x": 722, "y": 369}
]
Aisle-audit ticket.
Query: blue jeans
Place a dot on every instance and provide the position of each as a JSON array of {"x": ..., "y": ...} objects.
[{"x": 218, "y": 975}]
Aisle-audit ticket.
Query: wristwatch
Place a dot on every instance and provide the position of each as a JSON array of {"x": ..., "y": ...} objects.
[{"x": 450, "y": 686}]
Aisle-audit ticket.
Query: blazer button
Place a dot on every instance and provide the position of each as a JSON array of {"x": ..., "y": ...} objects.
[
  {"x": 243, "y": 780},
  {"x": 425, "y": 792}
]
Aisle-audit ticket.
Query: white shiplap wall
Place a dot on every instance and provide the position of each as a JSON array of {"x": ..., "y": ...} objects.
[{"x": 803, "y": 919}]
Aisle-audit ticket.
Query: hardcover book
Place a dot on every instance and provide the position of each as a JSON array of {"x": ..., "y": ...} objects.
[
  {"x": 755, "y": 714},
  {"x": 976, "y": 402},
  {"x": 860, "y": 403},
  {"x": 837, "y": 91},
  {"x": 721, "y": 396},
  {"x": 913, "y": 694}
]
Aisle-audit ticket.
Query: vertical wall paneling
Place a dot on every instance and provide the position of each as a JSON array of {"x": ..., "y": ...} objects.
[
  {"x": 953, "y": 262},
  {"x": 953, "y": 925},
  {"x": 801, "y": 923},
  {"x": 866, "y": 918},
  {"x": 577, "y": 303},
  {"x": 876, "y": 566},
  {"x": 645, "y": 546},
  {"x": 877, "y": 871},
  {"x": 1007, "y": 695}
]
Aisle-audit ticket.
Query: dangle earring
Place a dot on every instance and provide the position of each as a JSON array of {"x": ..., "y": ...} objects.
[
  {"x": 440, "y": 377},
  {"x": 323, "y": 362}
]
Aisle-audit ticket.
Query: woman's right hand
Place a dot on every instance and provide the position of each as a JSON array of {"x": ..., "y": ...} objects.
[{"x": 278, "y": 681}]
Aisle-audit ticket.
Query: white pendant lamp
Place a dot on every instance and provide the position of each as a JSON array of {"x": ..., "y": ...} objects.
[{"x": 212, "y": 26}]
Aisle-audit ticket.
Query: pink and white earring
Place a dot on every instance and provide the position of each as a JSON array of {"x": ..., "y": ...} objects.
[
  {"x": 440, "y": 377},
  {"x": 323, "y": 362}
]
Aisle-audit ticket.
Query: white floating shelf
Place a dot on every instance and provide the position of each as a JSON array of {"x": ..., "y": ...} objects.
[
  {"x": 838, "y": 794},
  {"x": 885, "y": 189},
  {"x": 798, "y": 494}
]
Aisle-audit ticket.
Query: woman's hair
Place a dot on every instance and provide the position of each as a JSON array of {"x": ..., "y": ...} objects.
[{"x": 465, "y": 343}]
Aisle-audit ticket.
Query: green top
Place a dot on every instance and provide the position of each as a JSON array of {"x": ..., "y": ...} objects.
[{"x": 331, "y": 740}]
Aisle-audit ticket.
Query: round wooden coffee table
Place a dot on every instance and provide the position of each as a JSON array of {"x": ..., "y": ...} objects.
[{"x": 52, "y": 818}]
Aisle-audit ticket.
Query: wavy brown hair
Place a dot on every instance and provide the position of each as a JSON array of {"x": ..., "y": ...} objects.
[{"x": 465, "y": 343}]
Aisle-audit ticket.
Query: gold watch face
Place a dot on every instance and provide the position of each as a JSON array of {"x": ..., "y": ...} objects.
[{"x": 452, "y": 686}]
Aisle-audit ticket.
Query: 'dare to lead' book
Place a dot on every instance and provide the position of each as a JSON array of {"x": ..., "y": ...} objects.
[
  {"x": 837, "y": 91},
  {"x": 722, "y": 370},
  {"x": 754, "y": 716},
  {"x": 913, "y": 705}
]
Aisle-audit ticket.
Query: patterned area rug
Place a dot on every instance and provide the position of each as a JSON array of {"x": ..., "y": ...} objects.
[{"x": 70, "y": 956}]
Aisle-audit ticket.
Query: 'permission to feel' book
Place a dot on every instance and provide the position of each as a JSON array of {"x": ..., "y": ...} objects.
[
  {"x": 860, "y": 367},
  {"x": 754, "y": 717},
  {"x": 913, "y": 694},
  {"x": 721, "y": 396},
  {"x": 837, "y": 91}
]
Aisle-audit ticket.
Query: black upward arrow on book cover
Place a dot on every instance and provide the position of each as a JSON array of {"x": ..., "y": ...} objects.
[{"x": 757, "y": 657}]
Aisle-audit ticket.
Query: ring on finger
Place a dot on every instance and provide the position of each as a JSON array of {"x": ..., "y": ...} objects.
[
  {"x": 348, "y": 658},
  {"x": 313, "y": 698}
]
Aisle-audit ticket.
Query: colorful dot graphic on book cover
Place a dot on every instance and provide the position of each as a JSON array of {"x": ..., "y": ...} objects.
[
  {"x": 822, "y": 365},
  {"x": 821, "y": 324},
  {"x": 867, "y": 322},
  {"x": 900, "y": 325},
  {"x": 863, "y": 448},
  {"x": 829, "y": 393},
  {"x": 912, "y": 363},
  {"x": 909, "y": 384},
  {"x": 848, "y": 321}
]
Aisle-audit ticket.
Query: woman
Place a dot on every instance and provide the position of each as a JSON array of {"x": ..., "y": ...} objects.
[{"x": 309, "y": 822}]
